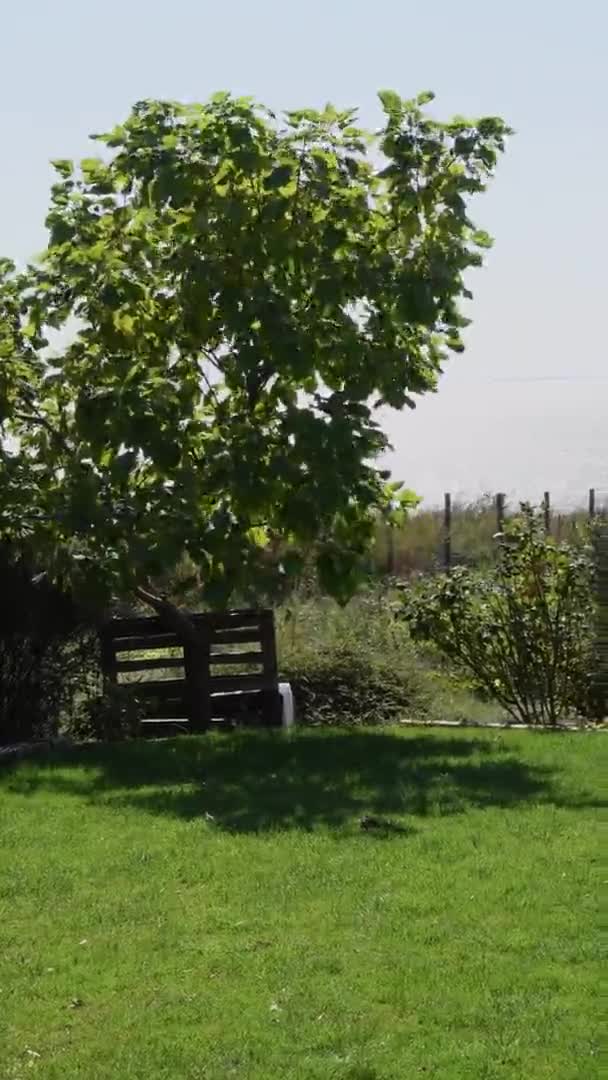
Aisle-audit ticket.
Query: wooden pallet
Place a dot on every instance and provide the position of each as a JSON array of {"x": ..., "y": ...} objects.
[{"x": 230, "y": 676}]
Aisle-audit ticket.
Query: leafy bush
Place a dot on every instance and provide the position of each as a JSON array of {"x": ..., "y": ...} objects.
[
  {"x": 47, "y": 654},
  {"x": 523, "y": 631},
  {"x": 351, "y": 665},
  {"x": 113, "y": 714},
  {"x": 599, "y": 684}
]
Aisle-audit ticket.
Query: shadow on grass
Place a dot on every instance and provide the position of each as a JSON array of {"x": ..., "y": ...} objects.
[{"x": 254, "y": 782}]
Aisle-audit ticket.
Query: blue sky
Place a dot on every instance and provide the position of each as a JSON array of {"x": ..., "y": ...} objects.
[{"x": 69, "y": 68}]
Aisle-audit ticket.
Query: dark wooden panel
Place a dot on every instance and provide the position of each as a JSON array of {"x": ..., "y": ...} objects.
[
  {"x": 166, "y": 710},
  {"x": 273, "y": 707},
  {"x": 249, "y": 707},
  {"x": 197, "y": 683},
  {"x": 229, "y": 637},
  {"x": 269, "y": 650},
  {"x": 226, "y": 683},
  {"x": 228, "y": 620},
  {"x": 138, "y": 624},
  {"x": 161, "y": 688},
  {"x": 235, "y": 704},
  {"x": 199, "y": 695},
  {"x": 159, "y": 727},
  {"x": 146, "y": 641},
  {"x": 150, "y": 663},
  {"x": 236, "y": 658},
  {"x": 143, "y": 624},
  {"x": 108, "y": 658}
]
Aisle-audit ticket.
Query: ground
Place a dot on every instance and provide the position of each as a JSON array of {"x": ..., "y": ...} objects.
[{"x": 212, "y": 908}]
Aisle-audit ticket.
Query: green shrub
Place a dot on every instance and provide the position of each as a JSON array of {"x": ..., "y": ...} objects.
[
  {"x": 352, "y": 665},
  {"x": 48, "y": 653},
  {"x": 111, "y": 715},
  {"x": 599, "y": 682},
  {"x": 523, "y": 630}
]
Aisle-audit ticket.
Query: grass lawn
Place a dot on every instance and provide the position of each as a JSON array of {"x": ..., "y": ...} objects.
[{"x": 211, "y": 908}]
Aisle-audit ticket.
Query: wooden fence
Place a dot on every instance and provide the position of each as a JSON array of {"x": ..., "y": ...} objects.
[{"x": 197, "y": 685}]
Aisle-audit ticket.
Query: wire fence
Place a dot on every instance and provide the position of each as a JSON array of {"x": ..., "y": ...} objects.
[{"x": 460, "y": 533}]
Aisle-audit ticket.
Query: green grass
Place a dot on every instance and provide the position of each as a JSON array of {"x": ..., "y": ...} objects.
[{"x": 211, "y": 908}]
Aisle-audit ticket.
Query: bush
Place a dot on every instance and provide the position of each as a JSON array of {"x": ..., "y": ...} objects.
[
  {"x": 599, "y": 683},
  {"x": 47, "y": 654},
  {"x": 113, "y": 714},
  {"x": 522, "y": 631},
  {"x": 352, "y": 665}
]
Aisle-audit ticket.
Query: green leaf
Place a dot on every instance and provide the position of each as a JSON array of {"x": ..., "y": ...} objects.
[
  {"x": 63, "y": 166},
  {"x": 482, "y": 239},
  {"x": 123, "y": 321},
  {"x": 92, "y": 165},
  {"x": 391, "y": 103},
  {"x": 278, "y": 177}
]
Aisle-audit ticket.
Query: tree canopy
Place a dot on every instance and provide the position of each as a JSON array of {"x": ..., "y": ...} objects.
[{"x": 227, "y": 297}]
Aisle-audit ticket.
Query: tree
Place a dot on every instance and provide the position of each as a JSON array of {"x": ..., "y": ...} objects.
[{"x": 226, "y": 299}]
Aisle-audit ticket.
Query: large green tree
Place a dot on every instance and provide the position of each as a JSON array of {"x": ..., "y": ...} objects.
[{"x": 226, "y": 299}]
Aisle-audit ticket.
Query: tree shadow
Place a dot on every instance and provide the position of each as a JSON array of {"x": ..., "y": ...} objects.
[{"x": 252, "y": 782}]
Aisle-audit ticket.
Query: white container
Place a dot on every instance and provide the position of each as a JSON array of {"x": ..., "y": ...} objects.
[{"x": 288, "y": 711}]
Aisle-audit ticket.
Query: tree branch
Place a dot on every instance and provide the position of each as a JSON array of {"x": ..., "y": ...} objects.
[
  {"x": 175, "y": 619},
  {"x": 37, "y": 418},
  {"x": 211, "y": 356}
]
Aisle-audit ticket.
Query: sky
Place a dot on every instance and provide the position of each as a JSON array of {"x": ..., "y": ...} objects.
[{"x": 525, "y": 409}]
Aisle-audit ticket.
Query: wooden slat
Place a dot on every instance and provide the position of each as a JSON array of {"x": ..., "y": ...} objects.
[
  {"x": 138, "y": 624},
  {"x": 145, "y": 624},
  {"x": 229, "y": 637},
  {"x": 251, "y": 704},
  {"x": 157, "y": 725},
  {"x": 236, "y": 658},
  {"x": 167, "y": 710},
  {"x": 273, "y": 706},
  {"x": 161, "y": 688},
  {"x": 150, "y": 663},
  {"x": 108, "y": 657},
  {"x": 160, "y": 641},
  {"x": 244, "y": 706},
  {"x": 234, "y": 704},
  {"x": 146, "y": 641},
  {"x": 197, "y": 680},
  {"x": 226, "y": 683},
  {"x": 269, "y": 651},
  {"x": 229, "y": 620}
]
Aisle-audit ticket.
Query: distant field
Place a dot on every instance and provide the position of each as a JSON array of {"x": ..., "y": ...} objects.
[
  {"x": 418, "y": 545},
  {"x": 211, "y": 908}
]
